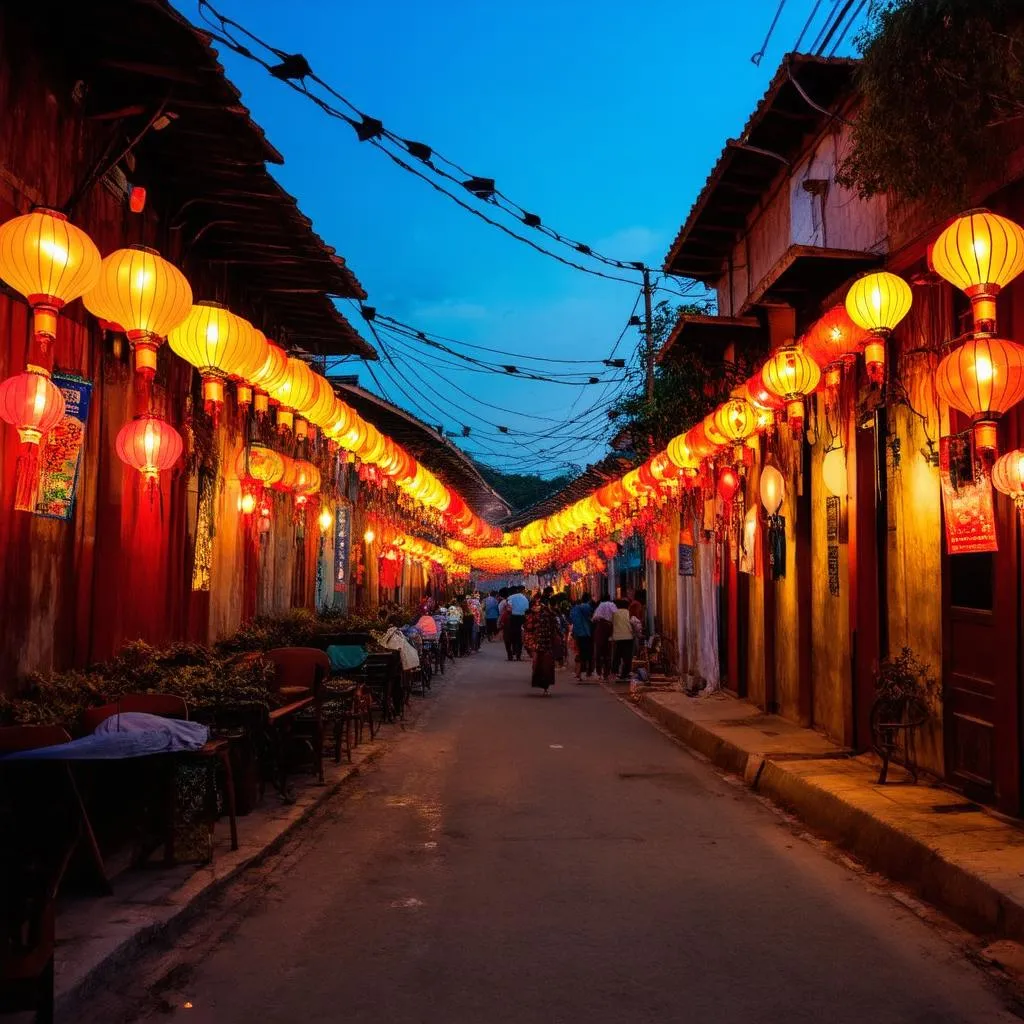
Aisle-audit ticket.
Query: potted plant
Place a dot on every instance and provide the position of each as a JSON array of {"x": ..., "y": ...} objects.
[{"x": 906, "y": 697}]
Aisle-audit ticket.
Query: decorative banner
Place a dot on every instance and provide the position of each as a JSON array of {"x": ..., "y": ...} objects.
[
  {"x": 342, "y": 534},
  {"x": 203, "y": 560},
  {"x": 832, "y": 513},
  {"x": 966, "y": 502},
  {"x": 62, "y": 453},
  {"x": 686, "y": 566}
]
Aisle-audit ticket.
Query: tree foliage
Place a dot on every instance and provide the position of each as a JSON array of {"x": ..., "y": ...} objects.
[
  {"x": 940, "y": 80},
  {"x": 686, "y": 388},
  {"x": 521, "y": 490}
]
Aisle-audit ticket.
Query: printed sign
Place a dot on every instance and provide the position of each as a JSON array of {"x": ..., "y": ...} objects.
[
  {"x": 61, "y": 456},
  {"x": 342, "y": 531},
  {"x": 966, "y": 501},
  {"x": 686, "y": 566}
]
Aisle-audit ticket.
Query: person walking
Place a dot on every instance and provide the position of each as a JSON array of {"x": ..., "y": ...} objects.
[
  {"x": 518, "y": 606},
  {"x": 580, "y": 615},
  {"x": 542, "y": 640},
  {"x": 622, "y": 641},
  {"x": 601, "y": 632},
  {"x": 491, "y": 615}
]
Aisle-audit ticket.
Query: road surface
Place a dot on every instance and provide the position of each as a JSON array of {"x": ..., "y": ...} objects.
[{"x": 528, "y": 860}]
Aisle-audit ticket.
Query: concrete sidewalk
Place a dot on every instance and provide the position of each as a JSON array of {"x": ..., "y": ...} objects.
[{"x": 953, "y": 853}]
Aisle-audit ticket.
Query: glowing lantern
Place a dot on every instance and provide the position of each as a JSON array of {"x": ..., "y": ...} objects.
[
  {"x": 249, "y": 364},
  {"x": 247, "y": 504},
  {"x": 149, "y": 444},
  {"x": 980, "y": 253},
  {"x": 369, "y": 536},
  {"x": 698, "y": 442},
  {"x": 293, "y": 392},
  {"x": 261, "y": 464},
  {"x": 307, "y": 479},
  {"x": 289, "y": 475},
  {"x": 760, "y": 397},
  {"x": 773, "y": 490},
  {"x": 735, "y": 419},
  {"x": 145, "y": 295},
  {"x": 680, "y": 455},
  {"x": 1008, "y": 477},
  {"x": 326, "y": 520},
  {"x": 269, "y": 376},
  {"x": 984, "y": 378},
  {"x": 790, "y": 374},
  {"x": 49, "y": 261},
  {"x": 320, "y": 407},
  {"x": 877, "y": 303},
  {"x": 728, "y": 483},
  {"x": 33, "y": 405},
  {"x": 835, "y": 338},
  {"x": 217, "y": 343},
  {"x": 833, "y": 472}
]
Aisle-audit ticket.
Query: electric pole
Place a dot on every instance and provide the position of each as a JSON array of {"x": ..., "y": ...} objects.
[{"x": 649, "y": 335}]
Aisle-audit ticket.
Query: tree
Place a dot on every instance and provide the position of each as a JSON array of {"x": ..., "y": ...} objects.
[
  {"x": 521, "y": 490},
  {"x": 686, "y": 388},
  {"x": 939, "y": 79}
]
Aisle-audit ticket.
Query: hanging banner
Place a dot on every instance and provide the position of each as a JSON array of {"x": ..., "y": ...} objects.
[
  {"x": 342, "y": 532},
  {"x": 833, "y": 512},
  {"x": 61, "y": 456},
  {"x": 686, "y": 564},
  {"x": 966, "y": 502}
]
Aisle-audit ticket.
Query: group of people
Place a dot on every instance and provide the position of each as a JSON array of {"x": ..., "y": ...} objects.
[{"x": 605, "y": 634}]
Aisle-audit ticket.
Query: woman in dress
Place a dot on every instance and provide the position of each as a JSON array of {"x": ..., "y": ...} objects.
[{"x": 544, "y": 637}]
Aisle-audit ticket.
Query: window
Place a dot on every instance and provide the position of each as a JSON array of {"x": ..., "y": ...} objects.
[{"x": 971, "y": 581}]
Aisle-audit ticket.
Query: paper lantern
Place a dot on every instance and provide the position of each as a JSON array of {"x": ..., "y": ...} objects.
[
  {"x": 984, "y": 378},
  {"x": 1008, "y": 477},
  {"x": 49, "y": 261},
  {"x": 293, "y": 392},
  {"x": 773, "y": 490},
  {"x": 219, "y": 345},
  {"x": 149, "y": 444},
  {"x": 145, "y": 295},
  {"x": 698, "y": 442},
  {"x": 980, "y": 253},
  {"x": 877, "y": 303},
  {"x": 834, "y": 338},
  {"x": 791, "y": 374},
  {"x": 261, "y": 464},
  {"x": 326, "y": 520},
  {"x": 760, "y": 397},
  {"x": 369, "y": 536},
  {"x": 249, "y": 364},
  {"x": 31, "y": 403},
  {"x": 833, "y": 472},
  {"x": 728, "y": 483},
  {"x": 320, "y": 408},
  {"x": 247, "y": 504},
  {"x": 680, "y": 455},
  {"x": 735, "y": 419},
  {"x": 269, "y": 376},
  {"x": 307, "y": 478}
]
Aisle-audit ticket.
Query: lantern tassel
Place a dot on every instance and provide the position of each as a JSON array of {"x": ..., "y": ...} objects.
[{"x": 27, "y": 486}]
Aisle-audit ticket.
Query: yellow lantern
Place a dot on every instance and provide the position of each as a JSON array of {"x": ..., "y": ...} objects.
[
  {"x": 735, "y": 420},
  {"x": 320, "y": 409},
  {"x": 877, "y": 303},
  {"x": 980, "y": 253},
  {"x": 326, "y": 520},
  {"x": 833, "y": 472},
  {"x": 293, "y": 392},
  {"x": 143, "y": 294},
  {"x": 791, "y": 374},
  {"x": 249, "y": 363},
  {"x": 49, "y": 261},
  {"x": 269, "y": 376},
  {"x": 260, "y": 463},
  {"x": 773, "y": 490}
]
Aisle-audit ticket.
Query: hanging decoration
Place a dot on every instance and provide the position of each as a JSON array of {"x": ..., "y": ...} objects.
[
  {"x": 967, "y": 507},
  {"x": 50, "y": 262},
  {"x": 61, "y": 455},
  {"x": 833, "y": 471},
  {"x": 877, "y": 303},
  {"x": 1008, "y": 478},
  {"x": 150, "y": 445},
  {"x": 790, "y": 374}
]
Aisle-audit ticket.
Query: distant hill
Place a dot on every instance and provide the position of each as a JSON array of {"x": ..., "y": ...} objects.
[{"x": 521, "y": 490}]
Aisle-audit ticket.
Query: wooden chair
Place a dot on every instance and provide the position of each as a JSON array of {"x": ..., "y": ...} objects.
[
  {"x": 213, "y": 752},
  {"x": 300, "y": 673},
  {"x": 31, "y": 869}
]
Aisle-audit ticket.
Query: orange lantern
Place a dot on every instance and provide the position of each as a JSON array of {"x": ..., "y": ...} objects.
[
  {"x": 33, "y": 405},
  {"x": 320, "y": 408},
  {"x": 698, "y": 442},
  {"x": 269, "y": 376},
  {"x": 261, "y": 464},
  {"x": 307, "y": 478},
  {"x": 149, "y": 444},
  {"x": 1008, "y": 477},
  {"x": 790, "y": 374},
  {"x": 49, "y": 261},
  {"x": 735, "y": 420},
  {"x": 145, "y": 295},
  {"x": 835, "y": 339},
  {"x": 289, "y": 475},
  {"x": 980, "y": 253},
  {"x": 984, "y": 378},
  {"x": 760, "y": 397}
]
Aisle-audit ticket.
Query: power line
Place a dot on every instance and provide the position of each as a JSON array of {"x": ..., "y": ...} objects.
[{"x": 807, "y": 25}]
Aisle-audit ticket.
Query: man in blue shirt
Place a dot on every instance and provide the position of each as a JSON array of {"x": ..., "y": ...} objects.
[
  {"x": 518, "y": 606},
  {"x": 580, "y": 616},
  {"x": 491, "y": 614}
]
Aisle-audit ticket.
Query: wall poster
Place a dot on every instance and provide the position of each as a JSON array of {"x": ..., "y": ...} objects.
[
  {"x": 966, "y": 500},
  {"x": 61, "y": 455}
]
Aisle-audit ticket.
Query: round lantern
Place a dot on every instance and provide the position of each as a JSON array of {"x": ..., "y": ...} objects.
[
  {"x": 679, "y": 454},
  {"x": 293, "y": 392},
  {"x": 1008, "y": 477},
  {"x": 833, "y": 472},
  {"x": 307, "y": 479},
  {"x": 698, "y": 442},
  {"x": 49, "y": 261},
  {"x": 791, "y": 374},
  {"x": 260, "y": 463},
  {"x": 735, "y": 419},
  {"x": 773, "y": 490},
  {"x": 760, "y": 397},
  {"x": 728, "y": 484},
  {"x": 248, "y": 365},
  {"x": 149, "y": 444},
  {"x": 289, "y": 475},
  {"x": 980, "y": 253},
  {"x": 31, "y": 403},
  {"x": 320, "y": 408},
  {"x": 877, "y": 303},
  {"x": 983, "y": 377},
  {"x": 835, "y": 339},
  {"x": 217, "y": 343},
  {"x": 145, "y": 295},
  {"x": 712, "y": 433},
  {"x": 269, "y": 376}
]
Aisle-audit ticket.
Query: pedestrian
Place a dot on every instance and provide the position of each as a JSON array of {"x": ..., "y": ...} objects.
[
  {"x": 622, "y": 641},
  {"x": 518, "y": 606},
  {"x": 601, "y": 632},
  {"x": 543, "y": 631},
  {"x": 491, "y": 614},
  {"x": 580, "y": 615}
]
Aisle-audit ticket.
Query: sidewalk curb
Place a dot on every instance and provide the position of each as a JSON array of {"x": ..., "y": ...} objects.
[
  {"x": 201, "y": 888},
  {"x": 879, "y": 845}
]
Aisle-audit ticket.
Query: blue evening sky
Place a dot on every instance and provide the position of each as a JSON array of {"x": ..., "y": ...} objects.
[{"x": 603, "y": 118}]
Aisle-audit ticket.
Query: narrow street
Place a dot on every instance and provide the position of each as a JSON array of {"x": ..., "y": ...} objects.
[{"x": 515, "y": 858}]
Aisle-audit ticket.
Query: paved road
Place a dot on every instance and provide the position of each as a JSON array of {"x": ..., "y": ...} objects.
[{"x": 531, "y": 860}]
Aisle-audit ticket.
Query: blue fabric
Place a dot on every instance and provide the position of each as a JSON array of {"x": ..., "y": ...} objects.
[
  {"x": 580, "y": 616},
  {"x": 131, "y": 734},
  {"x": 519, "y": 604},
  {"x": 490, "y": 607},
  {"x": 346, "y": 657}
]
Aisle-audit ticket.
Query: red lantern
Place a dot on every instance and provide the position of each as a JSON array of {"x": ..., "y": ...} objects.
[
  {"x": 149, "y": 444},
  {"x": 728, "y": 483},
  {"x": 33, "y": 405},
  {"x": 835, "y": 338}
]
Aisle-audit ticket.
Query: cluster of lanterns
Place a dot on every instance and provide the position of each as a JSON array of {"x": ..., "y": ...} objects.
[{"x": 135, "y": 291}]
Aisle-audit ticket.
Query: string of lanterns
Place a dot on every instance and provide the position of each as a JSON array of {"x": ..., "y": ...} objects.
[{"x": 135, "y": 291}]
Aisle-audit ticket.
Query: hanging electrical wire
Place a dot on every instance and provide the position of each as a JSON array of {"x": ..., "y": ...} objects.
[{"x": 295, "y": 71}]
